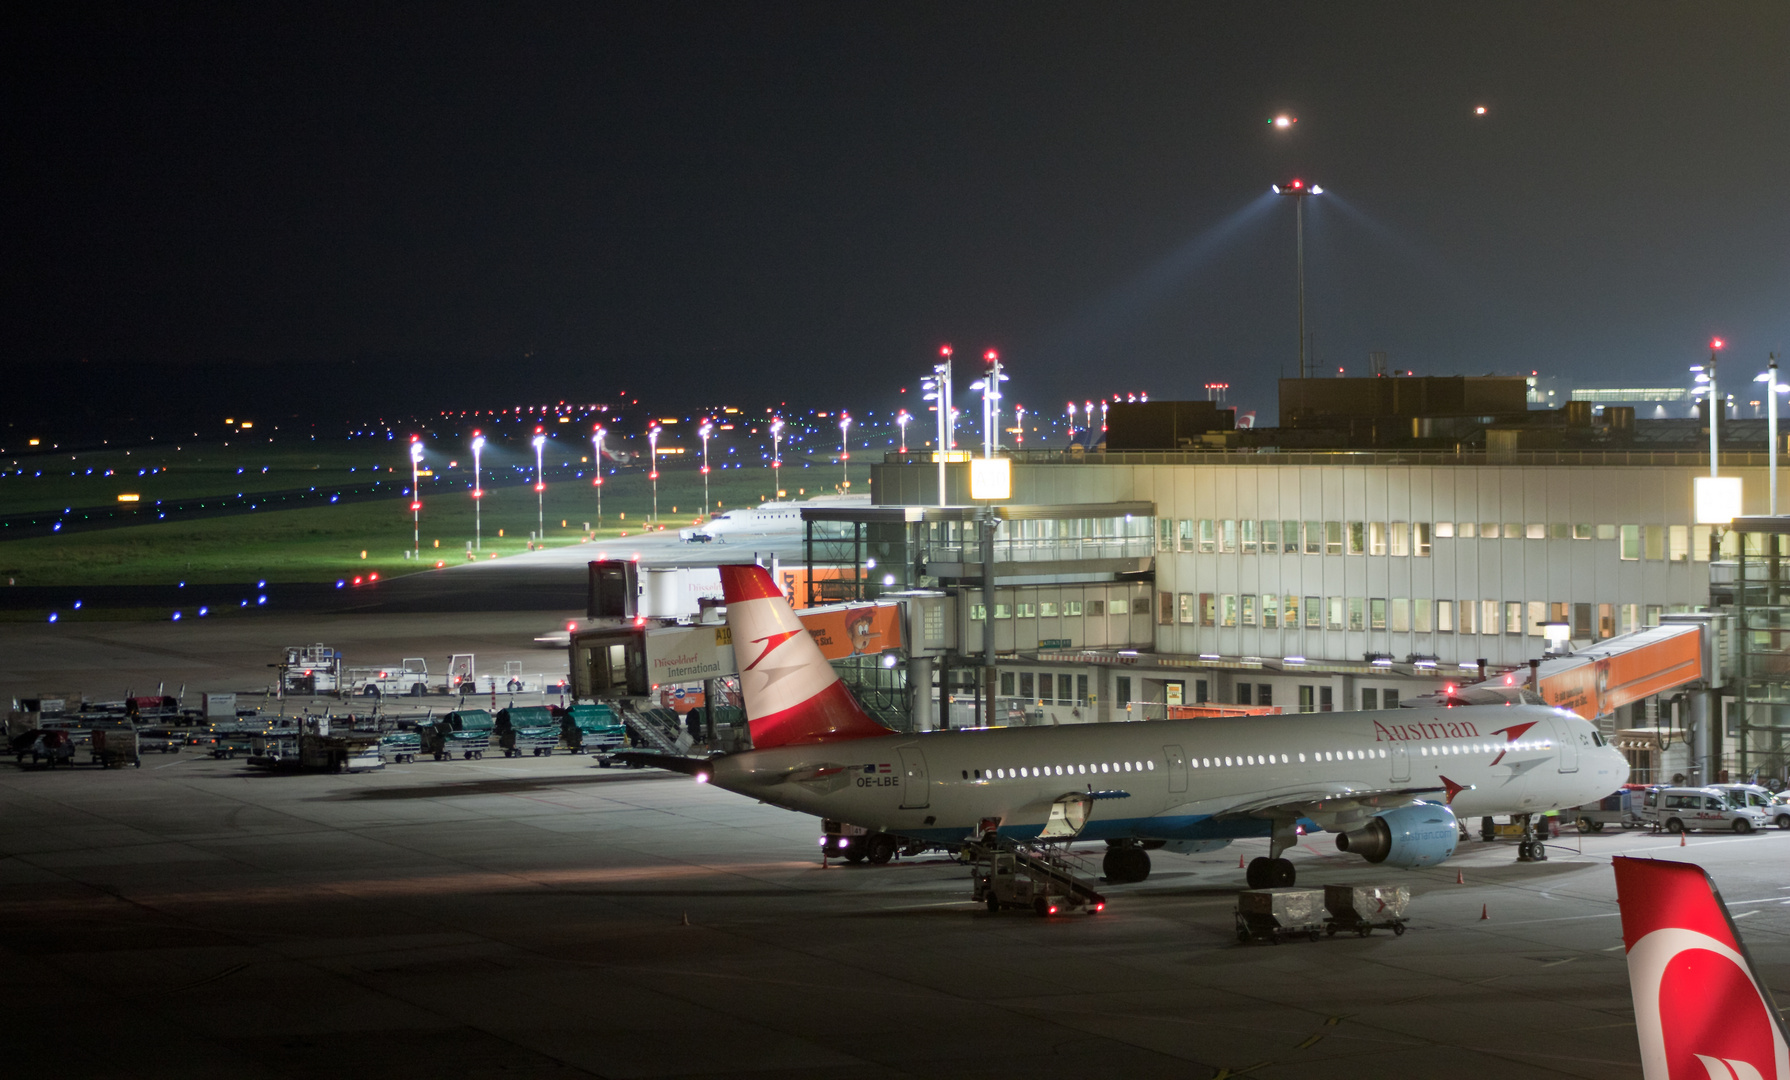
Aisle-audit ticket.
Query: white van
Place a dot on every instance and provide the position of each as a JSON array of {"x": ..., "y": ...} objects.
[
  {"x": 1773, "y": 806},
  {"x": 1680, "y": 809}
]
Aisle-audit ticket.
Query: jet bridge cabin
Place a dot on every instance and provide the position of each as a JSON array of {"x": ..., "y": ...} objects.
[{"x": 609, "y": 662}]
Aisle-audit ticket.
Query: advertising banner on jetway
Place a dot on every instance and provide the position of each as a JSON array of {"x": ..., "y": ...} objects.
[
  {"x": 691, "y": 653},
  {"x": 854, "y": 630},
  {"x": 1619, "y": 672}
]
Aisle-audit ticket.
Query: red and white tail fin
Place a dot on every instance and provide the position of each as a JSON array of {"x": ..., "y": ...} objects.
[
  {"x": 792, "y": 694},
  {"x": 1700, "y": 1010}
]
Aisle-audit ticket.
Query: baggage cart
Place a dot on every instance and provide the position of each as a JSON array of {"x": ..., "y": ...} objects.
[
  {"x": 115, "y": 743},
  {"x": 590, "y": 728},
  {"x": 400, "y": 747},
  {"x": 463, "y": 733},
  {"x": 531, "y": 730},
  {"x": 1275, "y": 915},
  {"x": 1366, "y": 908}
]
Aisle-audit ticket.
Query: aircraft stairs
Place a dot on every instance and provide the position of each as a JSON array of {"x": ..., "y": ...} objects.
[
  {"x": 1010, "y": 874},
  {"x": 665, "y": 736}
]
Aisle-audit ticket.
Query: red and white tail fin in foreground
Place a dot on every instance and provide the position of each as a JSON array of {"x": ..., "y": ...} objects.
[
  {"x": 1700, "y": 1011},
  {"x": 792, "y": 694}
]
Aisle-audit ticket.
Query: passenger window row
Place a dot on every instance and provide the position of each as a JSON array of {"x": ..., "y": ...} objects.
[
  {"x": 1483, "y": 748},
  {"x": 1038, "y": 771}
]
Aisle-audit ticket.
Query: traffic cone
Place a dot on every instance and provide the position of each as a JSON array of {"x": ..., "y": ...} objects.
[
  {"x": 1680, "y": 839},
  {"x": 1239, "y": 862},
  {"x": 1458, "y": 879},
  {"x": 686, "y": 918},
  {"x": 1483, "y": 913}
]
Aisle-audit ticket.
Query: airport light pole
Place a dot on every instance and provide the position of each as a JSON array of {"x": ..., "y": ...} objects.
[
  {"x": 596, "y": 441},
  {"x": 416, "y": 496},
  {"x": 990, "y": 386},
  {"x": 1019, "y": 425},
  {"x": 652, "y": 442},
  {"x": 776, "y": 457},
  {"x": 902, "y": 419},
  {"x": 707, "y": 429},
  {"x": 1298, "y": 190},
  {"x": 1071, "y": 415},
  {"x": 938, "y": 391},
  {"x": 478, "y": 494},
  {"x": 845, "y": 449},
  {"x": 540, "y": 443},
  {"x": 1772, "y": 389}
]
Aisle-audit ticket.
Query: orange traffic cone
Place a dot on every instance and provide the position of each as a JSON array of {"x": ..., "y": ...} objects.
[
  {"x": 1483, "y": 913},
  {"x": 1680, "y": 839},
  {"x": 1239, "y": 862},
  {"x": 1458, "y": 879}
]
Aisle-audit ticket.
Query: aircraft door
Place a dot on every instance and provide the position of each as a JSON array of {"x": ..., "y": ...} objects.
[
  {"x": 1177, "y": 768},
  {"x": 1569, "y": 746},
  {"x": 1401, "y": 763},
  {"x": 914, "y": 786}
]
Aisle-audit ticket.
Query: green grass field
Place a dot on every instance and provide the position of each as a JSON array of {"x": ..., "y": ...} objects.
[{"x": 325, "y": 543}]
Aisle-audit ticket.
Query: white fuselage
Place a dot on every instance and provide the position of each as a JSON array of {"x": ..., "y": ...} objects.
[{"x": 1204, "y": 779}]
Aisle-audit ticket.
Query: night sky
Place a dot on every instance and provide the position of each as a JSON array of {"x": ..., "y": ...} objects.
[{"x": 764, "y": 202}]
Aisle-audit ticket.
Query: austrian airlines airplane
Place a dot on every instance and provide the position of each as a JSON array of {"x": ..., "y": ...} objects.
[
  {"x": 1388, "y": 783},
  {"x": 1701, "y": 1011}
]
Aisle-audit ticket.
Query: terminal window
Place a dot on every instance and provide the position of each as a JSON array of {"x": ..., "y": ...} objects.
[
  {"x": 1270, "y": 611},
  {"x": 1122, "y": 687},
  {"x": 1400, "y": 539},
  {"x": 1376, "y": 614},
  {"x": 1243, "y": 694},
  {"x": 1314, "y": 613},
  {"x": 1264, "y": 693},
  {"x": 1271, "y": 538},
  {"x": 1370, "y": 698},
  {"x": 1357, "y": 537},
  {"x": 1333, "y": 613}
]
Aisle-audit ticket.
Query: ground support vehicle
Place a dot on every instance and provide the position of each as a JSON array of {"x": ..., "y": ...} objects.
[
  {"x": 344, "y": 751},
  {"x": 531, "y": 729},
  {"x": 115, "y": 743},
  {"x": 1365, "y": 908},
  {"x": 463, "y": 733},
  {"x": 271, "y": 750},
  {"x": 49, "y": 746},
  {"x": 161, "y": 740},
  {"x": 400, "y": 747},
  {"x": 590, "y": 728},
  {"x": 1773, "y": 804},
  {"x": 1274, "y": 915},
  {"x": 409, "y": 678},
  {"x": 311, "y": 669},
  {"x": 1681, "y": 809},
  {"x": 1007, "y": 876},
  {"x": 515, "y": 681},
  {"x": 1618, "y": 808}
]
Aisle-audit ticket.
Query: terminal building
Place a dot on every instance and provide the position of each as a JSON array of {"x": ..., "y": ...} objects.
[{"x": 1447, "y": 534}]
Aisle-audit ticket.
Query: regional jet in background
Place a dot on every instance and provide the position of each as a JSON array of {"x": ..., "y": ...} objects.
[
  {"x": 1701, "y": 1010},
  {"x": 765, "y": 519},
  {"x": 1388, "y": 783}
]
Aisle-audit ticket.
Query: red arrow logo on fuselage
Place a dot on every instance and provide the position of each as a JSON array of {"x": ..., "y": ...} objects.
[
  {"x": 775, "y": 640},
  {"x": 1453, "y": 788},
  {"x": 1511, "y": 734}
]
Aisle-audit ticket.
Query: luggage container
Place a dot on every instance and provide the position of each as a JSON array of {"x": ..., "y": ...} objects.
[
  {"x": 115, "y": 743},
  {"x": 531, "y": 729},
  {"x": 1366, "y": 908},
  {"x": 1278, "y": 914}
]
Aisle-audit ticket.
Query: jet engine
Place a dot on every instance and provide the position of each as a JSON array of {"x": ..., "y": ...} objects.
[{"x": 1422, "y": 834}]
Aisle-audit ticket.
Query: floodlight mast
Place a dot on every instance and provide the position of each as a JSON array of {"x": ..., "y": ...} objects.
[
  {"x": 1298, "y": 190},
  {"x": 938, "y": 387},
  {"x": 596, "y": 441},
  {"x": 652, "y": 443},
  {"x": 416, "y": 496},
  {"x": 478, "y": 494},
  {"x": 776, "y": 457},
  {"x": 540, "y": 442},
  {"x": 707, "y": 429},
  {"x": 845, "y": 450}
]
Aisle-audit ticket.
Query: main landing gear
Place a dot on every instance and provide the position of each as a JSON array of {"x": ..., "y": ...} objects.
[
  {"x": 1126, "y": 862},
  {"x": 1272, "y": 871}
]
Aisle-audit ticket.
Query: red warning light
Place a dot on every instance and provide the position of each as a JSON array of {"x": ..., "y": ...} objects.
[
  {"x": 944, "y": 350},
  {"x": 1716, "y": 343},
  {"x": 1297, "y": 184}
]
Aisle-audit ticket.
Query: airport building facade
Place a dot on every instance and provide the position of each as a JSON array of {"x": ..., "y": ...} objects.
[{"x": 1311, "y": 581}]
